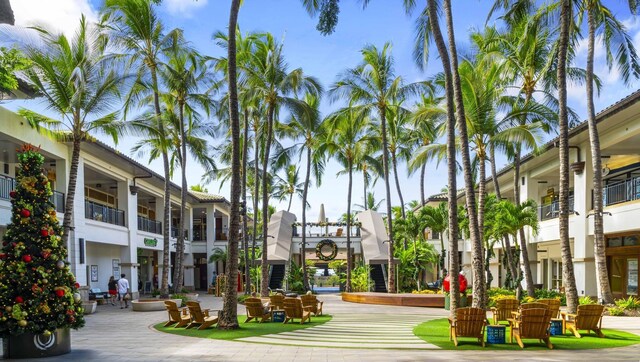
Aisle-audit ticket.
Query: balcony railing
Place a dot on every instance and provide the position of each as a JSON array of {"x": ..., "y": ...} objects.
[
  {"x": 174, "y": 233},
  {"x": 58, "y": 201},
  {"x": 148, "y": 225},
  {"x": 103, "y": 213},
  {"x": 624, "y": 191},
  {"x": 7, "y": 184},
  {"x": 552, "y": 210},
  {"x": 200, "y": 232}
]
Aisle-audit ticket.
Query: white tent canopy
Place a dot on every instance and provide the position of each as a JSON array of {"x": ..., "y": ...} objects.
[{"x": 280, "y": 232}]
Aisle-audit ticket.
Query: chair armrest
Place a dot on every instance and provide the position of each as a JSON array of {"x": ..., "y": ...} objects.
[
  {"x": 308, "y": 308},
  {"x": 452, "y": 321}
]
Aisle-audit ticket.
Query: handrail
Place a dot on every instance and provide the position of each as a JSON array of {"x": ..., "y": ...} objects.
[
  {"x": 99, "y": 212},
  {"x": 148, "y": 225},
  {"x": 552, "y": 210},
  {"x": 627, "y": 190}
]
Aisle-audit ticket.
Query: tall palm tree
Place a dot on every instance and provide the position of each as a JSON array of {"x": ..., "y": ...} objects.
[
  {"x": 371, "y": 88},
  {"x": 184, "y": 74},
  {"x": 269, "y": 78},
  {"x": 347, "y": 142},
  {"x": 370, "y": 203},
  {"x": 79, "y": 83},
  {"x": 286, "y": 188},
  {"x": 400, "y": 146},
  {"x": 134, "y": 27},
  {"x": 310, "y": 127},
  {"x": 229, "y": 317},
  {"x": 612, "y": 34},
  {"x": 436, "y": 219}
]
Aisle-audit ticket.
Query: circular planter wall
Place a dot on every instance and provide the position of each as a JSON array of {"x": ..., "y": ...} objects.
[
  {"x": 151, "y": 305},
  {"x": 29, "y": 345}
]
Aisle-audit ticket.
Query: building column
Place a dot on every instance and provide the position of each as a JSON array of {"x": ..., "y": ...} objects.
[
  {"x": 530, "y": 191},
  {"x": 129, "y": 254},
  {"x": 189, "y": 270},
  {"x": 583, "y": 253},
  {"x": 210, "y": 238}
]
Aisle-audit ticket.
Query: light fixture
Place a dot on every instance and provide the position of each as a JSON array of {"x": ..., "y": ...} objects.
[{"x": 606, "y": 170}]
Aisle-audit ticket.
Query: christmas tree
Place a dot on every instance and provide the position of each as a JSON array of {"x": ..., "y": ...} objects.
[{"x": 38, "y": 293}]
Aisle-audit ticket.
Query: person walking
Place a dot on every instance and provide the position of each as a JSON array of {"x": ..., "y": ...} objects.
[
  {"x": 123, "y": 291},
  {"x": 113, "y": 290}
]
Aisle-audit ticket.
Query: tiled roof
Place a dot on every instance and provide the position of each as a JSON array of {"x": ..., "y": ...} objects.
[{"x": 205, "y": 197}]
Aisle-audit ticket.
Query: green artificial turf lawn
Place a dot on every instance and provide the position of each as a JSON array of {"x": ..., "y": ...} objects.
[
  {"x": 250, "y": 329},
  {"x": 437, "y": 332}
]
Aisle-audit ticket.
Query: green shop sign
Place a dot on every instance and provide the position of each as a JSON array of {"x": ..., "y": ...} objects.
[{"x": 150, "y": 242}]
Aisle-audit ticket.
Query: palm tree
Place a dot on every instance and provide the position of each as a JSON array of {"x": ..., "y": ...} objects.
[
  {"x": 347, "y": 142},
  {"x": 289, "y": 186},
  {"x": 400, "y": 146},
  {"x": 184, "y": 74},
  {"x": 229, "y": 317},
  {"x": 82, "y": 86},
  {"x": 135, "y": 28},
  {"x": 612, "y": 35},
  {"x": 311, "y": 129},
  {"x": 268, "y": 77},
  {"x": 370, "y": 203},
  {"x": 436, "y": 220},
  {"x": 371, "y": 88}
]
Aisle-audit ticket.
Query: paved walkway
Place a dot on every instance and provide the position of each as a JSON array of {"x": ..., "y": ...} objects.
[
  {"x": 113, "y": 334},
  {"x": 354, "y": 331}
]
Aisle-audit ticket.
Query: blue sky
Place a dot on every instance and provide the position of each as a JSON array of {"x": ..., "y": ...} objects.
[{"x": 323, "y": 57}]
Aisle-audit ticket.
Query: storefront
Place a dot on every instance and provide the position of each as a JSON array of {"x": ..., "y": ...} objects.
[{"x": 623, "y": 253}]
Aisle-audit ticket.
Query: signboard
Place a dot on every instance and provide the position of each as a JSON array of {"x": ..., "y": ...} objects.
[
  {"x": 115, "y": 265},
  {"x": 150, "y": 242}
]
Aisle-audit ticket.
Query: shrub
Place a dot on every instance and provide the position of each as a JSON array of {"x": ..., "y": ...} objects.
[
  {"x": 528, "y": 299},
  {"x": 586, "y": 300},
  {"x": 629, "y": 303},
  {"x": 155, "y": 292},
  {"x": 492, "y": 292},
  {"x": 616, "y": 311},
  {"x": 180, "y": 296},
  {"x": 427, "y": 291},
  {"x": 551, "y": 294},
  {"x": 242, "y": 298},
  {"x": 493, "y": 300}
]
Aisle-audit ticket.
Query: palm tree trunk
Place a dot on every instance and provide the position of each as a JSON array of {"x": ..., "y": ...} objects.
[
  {"x": 494, "y": 173},
  {"x": 385, "y": 167},
  {"x": 509, "y": 255},
  {"x": 67, "y": 219},
  {"x": 523, "y": 243},
  {"x": 604, "y": 288},
  {"x": 481, "y": 194},
  {"x": 178, "y": 273},
  {"x": 365, "y": 182},
  {"x": 256, "y": 191},
  {"x": 303, "y": 246},
  {"x": 349, "y": 256},
  {"x": 290, "y": 200},
  {"x": 422, "y": 172},
  {"x": 245, "y": 238},
  {"x": 264, "y": 287},
  {"x": 394, "y": 163},
  {"x": 568, "y": 275},
  {"x": 6, "y": 14},
  {"x": 454, "y": 263},
  {"x": 476, "y": 242},
  {"x": 229, "y": 317}
]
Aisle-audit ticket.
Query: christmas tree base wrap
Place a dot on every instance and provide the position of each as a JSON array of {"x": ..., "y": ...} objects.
[{"x": 29, "y": 345}]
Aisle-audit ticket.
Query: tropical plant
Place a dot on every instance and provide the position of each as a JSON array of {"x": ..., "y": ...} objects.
[
  {"x": 290, "y": 185},
  {"x": 436, "y": 220},
  {"x": 11, "y": 61},
  {"x": 347, "y": 142},
  {"x": 134, "y": 27},
  {"x": 370, "y": 203},
  {"x": 360, "y": 278},
  {"x": 78, "y": 83}
]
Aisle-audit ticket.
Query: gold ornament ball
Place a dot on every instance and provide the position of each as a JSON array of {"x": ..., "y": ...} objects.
[
  {"x": 76, "y": 297},
  {"x": 8, "y": 308},
  {"x": 22, "y": 323},
  {"x": 60, "y": 264},
  {"x": 46, "y": 333}
]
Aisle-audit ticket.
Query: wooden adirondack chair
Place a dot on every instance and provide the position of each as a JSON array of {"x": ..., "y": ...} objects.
[
  {"x": 532, "y": 323},
  {"x": 339, "y": 232},
  {"x": 293, "y": 309},
  {"x": 200, "y": 317},
  {"x": 589, "y": 318},
  {"x": 533, "y": 305},
  {"x": 277, "y": 302},
  {"x": 502, "y": 310},
  {"x": 177, "y": 317},
  {"x": 469, "y": 322},
  {"x": 553, "y": 305},
  {"x": 311, "y": 301},
  {"x": 255, "y": 310}
]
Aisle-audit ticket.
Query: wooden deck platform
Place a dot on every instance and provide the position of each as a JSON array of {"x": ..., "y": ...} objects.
[{"x": 403, "y": 299}]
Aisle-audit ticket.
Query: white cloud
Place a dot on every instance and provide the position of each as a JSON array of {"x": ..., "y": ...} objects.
[
  {"x": 183, "y": 8},
  {"x": 60, "y": 15}
]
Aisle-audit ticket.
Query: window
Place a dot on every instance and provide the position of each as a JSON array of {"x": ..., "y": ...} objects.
[
  {"x": 614, "y": 242},
  {"x": 631, "y": 240}
]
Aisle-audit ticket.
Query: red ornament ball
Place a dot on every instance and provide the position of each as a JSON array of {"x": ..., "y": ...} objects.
[
  {"x": 462, "y": 281},
  {"x": 44, "y": 233},
  {"x": 77, "y": 285},
  {"x": 60, "y": 293},
  {"x": 12, "y": 194},
  {"x": 25, "y": 213},
  {"x": 3, "y": 256},
  {"x": 45, "y": 254},
  {"x": 26, "y": 258},
  {"x": 19, "y": 299}
]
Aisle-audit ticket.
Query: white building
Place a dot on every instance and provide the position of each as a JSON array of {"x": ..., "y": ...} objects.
[
  {"x": 619, "y": 129},
  {"x": 117, "y": 212}
]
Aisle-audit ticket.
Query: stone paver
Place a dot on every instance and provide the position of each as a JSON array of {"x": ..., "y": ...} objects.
[{"x": 113, "y": 334}]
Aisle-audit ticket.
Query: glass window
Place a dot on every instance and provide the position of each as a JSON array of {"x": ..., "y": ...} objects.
[
  {"x": 630, "y": 240},
  {"x": 613, "y": 242}
]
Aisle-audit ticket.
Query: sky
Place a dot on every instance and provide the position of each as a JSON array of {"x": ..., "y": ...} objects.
[{"x": 323, "y": 57}]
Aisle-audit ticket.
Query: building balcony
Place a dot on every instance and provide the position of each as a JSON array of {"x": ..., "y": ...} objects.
[
  {"x": 623, "y": 191},
  {"x": 150, "y": 226},
  {"x": 552, "y": 210},
  {"x": 174, "y": 233},
  {"x": 98, "y": 212}
]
